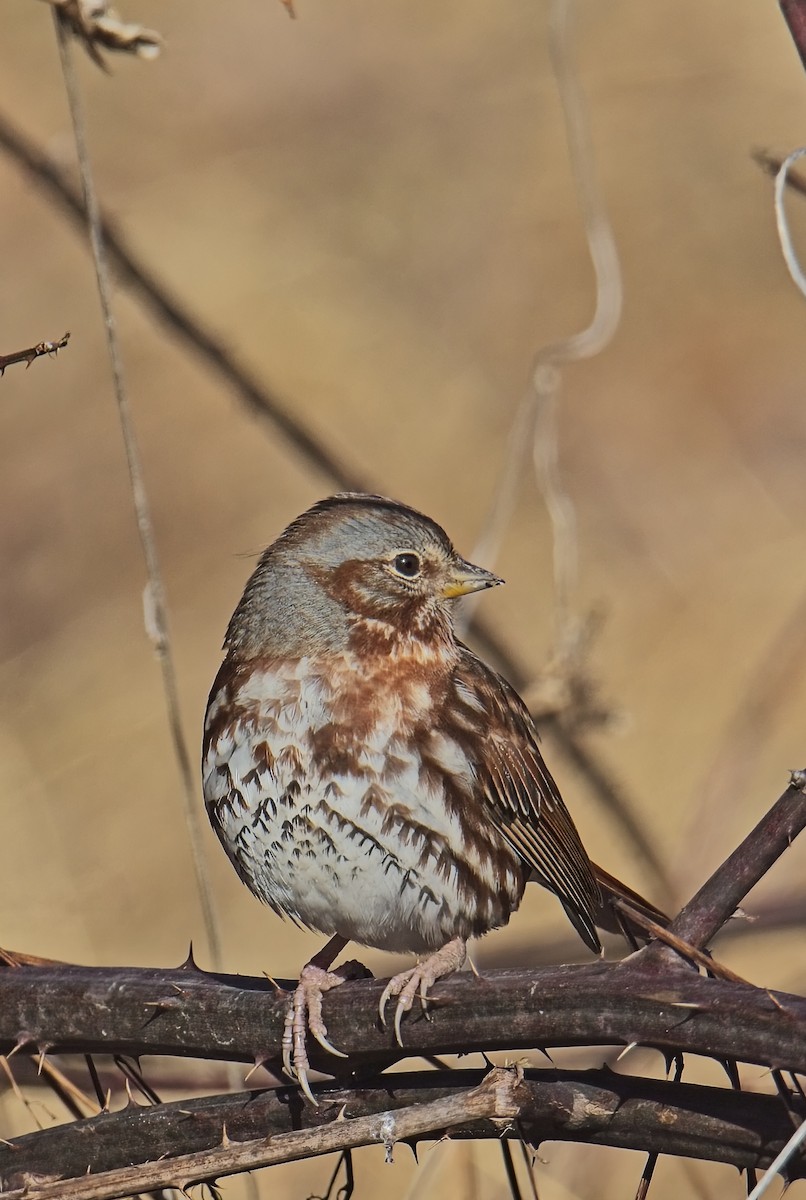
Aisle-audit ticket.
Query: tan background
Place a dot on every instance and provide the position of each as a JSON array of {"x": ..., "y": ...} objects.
[{"x": 374, "y": 207}]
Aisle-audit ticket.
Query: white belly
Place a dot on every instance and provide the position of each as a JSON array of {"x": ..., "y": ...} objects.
[{"x": 364, "y": 851}]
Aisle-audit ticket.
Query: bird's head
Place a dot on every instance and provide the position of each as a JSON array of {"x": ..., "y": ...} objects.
[{"x": 353, "y": 565}]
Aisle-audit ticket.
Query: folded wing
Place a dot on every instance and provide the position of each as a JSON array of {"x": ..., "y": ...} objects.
[{"x": 522, "y": 799}]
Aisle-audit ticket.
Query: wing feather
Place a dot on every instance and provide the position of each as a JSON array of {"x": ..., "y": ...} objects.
[{"x": 520, "y": 796}]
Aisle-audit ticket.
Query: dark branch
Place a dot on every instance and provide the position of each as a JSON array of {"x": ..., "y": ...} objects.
[
  {"x": 717, "y": 900},
  {"x": 498, "y": 1097},
  {"x": 646, "y": 999},
  {"x": 189, "y": 1013},
  {"x": 596, "y": 1107},
  {"x": 795, "y": 16},
  {"x": 643, "y": 999}
]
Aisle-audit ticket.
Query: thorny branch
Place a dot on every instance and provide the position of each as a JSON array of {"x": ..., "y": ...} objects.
[
  {"x": 144, "y": 1011},
  {"x": 596, "y": 1107},
  {"x": 32, "y": 352},
  {"x": 496, "y": 1098},
  {"x": 646, "y": 999},
  {"x": 717, "y": 900}
]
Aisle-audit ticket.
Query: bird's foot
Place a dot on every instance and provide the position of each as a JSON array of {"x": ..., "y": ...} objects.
[
  {"x": 304, "y": 1015},
  {"x": 419, "y": 979}
]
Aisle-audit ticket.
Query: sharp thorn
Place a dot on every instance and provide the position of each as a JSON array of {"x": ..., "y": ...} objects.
[
  {"x": 275, "y": 984},
  {"x": 190, "y": 963}
]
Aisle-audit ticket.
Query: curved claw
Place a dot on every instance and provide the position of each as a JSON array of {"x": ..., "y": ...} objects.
[
  {"x": 399, "y": 985},
  {"x": 401, "y": 1008},
  {"x": 406, "y": 1001},
  {"x": 386, "y": 996},
  {"x": 327, "y": 1045},
  {"x": 301, "y": 1076}
]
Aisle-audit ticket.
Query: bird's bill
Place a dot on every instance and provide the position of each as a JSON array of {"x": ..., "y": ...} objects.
[{"x": 468, "y": 578}]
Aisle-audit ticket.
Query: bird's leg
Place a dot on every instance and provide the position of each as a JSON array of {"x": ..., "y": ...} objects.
[
  {"x": 304, "y": 1012},
  {"x": 419, "y": 979}
]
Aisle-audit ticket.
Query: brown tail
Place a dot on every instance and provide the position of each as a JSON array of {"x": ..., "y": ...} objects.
[{"x": 618, "y": 901}]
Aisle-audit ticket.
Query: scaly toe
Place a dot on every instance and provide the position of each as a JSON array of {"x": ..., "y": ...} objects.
[
  {"x": 415, "y": 983},
  {"x": 288, "y": 1041},
  {"x": 304, "y": 1016},
  {"x": 314, "y": 1021}
]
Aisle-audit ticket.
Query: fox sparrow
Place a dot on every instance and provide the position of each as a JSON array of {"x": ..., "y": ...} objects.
[{"x": 367, "y": 774}]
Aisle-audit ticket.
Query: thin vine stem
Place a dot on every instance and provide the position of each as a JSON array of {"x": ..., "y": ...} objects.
[{"x": 156, "y": 612}]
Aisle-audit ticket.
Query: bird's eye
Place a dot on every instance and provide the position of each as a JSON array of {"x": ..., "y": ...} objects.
[{"x": 407, "y": 564}]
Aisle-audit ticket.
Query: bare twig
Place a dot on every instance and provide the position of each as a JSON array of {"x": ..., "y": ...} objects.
[
  {"x": 780, "y": 1163},
  {"x": 74, "y": 1099},
  {"x": 5, "y": 1067},
  {"x": 684, "y": 949},
  {"x": 782, "y": 222},
  {"x": 535, "y": 420},
  {"x": 794, "y": 12},
  {"x": 781, "y": 913},
  {"x": 534, "y": 429},
  {"x": 772, "y": 163},
  {"x": 498, "y": 1097},
  {"x": 95, "y": 24},
  {"x": 648, "y": 1172},
  {"x": 32, "y": 352},
  {"x": 587, "y": 342},
  {"x": 781, "y": 168}
]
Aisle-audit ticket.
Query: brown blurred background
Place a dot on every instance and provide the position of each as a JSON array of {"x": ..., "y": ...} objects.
[{"x": 373, "y": 205}]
